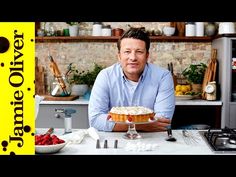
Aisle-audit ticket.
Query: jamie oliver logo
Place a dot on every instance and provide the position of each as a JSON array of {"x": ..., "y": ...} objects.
[{"x": 17, "y": 88}]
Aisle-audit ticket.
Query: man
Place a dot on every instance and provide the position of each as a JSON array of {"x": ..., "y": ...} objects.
[{"x": 132, "y": 82}]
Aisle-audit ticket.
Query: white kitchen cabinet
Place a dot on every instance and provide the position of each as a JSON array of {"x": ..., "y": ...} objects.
[{"x": 48, "y": 117}]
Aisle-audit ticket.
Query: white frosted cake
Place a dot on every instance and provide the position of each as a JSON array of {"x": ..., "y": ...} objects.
[{"x": 131, "y": 114}]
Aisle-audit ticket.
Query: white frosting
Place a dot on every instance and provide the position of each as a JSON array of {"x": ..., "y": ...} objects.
[{"x": 131, "y": 110}]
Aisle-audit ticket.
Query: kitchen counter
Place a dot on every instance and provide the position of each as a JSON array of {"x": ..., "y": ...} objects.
[
  {"x": 82, "y": 101},
  {"x": 157, "y": 140}
]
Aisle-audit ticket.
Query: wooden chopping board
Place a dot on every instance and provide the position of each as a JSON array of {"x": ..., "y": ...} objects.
[
  {"x": 210, "y": 73},
  {"x": 39, "y": 79},
  {"x": 65, "y": 98}
]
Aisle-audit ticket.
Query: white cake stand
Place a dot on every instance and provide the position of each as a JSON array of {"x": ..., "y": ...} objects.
[{"x": 132, "y": 133}]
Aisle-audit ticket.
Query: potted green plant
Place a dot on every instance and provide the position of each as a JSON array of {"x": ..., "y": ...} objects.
[
  {"x": 194, "y": 73},
  {"x": 82, "y": 80},
  {"x": 73, "y": 28},
  {"x": 72, "y": 23}
]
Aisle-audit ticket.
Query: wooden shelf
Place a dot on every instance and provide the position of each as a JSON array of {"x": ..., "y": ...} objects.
[{"x": 115, "y": 39}]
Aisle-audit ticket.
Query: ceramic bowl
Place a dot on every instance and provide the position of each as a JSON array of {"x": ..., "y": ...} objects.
[
  {"x": 226, "y": 28},
  {"x": 49, "y": 149},
  {"x": 168, "y": 31}
]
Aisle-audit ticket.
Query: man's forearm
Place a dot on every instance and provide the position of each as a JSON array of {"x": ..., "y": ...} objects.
[{"x": 120, "y": 127}]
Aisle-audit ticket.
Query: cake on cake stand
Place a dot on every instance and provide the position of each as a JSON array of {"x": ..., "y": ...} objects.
[{"x": 132, "y": 133}]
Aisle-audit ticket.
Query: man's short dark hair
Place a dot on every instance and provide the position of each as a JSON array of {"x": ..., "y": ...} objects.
[{"x": 136, "y": 33}]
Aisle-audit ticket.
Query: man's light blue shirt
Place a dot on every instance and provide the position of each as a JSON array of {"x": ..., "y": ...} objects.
[{"x": 155, "y": 90}]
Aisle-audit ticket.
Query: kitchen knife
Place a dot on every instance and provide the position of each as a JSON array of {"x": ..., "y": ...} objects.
[
  {"x": 171, "y": 68},
  {"x": 168, "y": 65}
]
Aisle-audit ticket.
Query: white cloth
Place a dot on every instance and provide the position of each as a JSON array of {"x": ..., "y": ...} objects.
[
  {"x": 38, "y": 99},
  {"x": 78, "y": 135}
]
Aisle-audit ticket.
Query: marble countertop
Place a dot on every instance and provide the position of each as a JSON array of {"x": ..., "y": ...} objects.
[
  {"x": 157, "y": 142},
  {"x": 82, "y": 101}
]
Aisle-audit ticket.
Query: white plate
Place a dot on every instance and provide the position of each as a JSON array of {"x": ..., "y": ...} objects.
[
  {"x": 49, "y": 149},
  {"x": 184, "y": 97}
]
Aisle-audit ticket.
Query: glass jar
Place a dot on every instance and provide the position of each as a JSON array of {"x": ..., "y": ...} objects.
[
  {"x": 60, "y": 87},
  {"x": 210, "y": 29},
  {"x": 199, "y": 28},
  {"x": 106, "y": 30},
  {"x": 97, "y": 29},
  {"x": 190, "y": 29}
]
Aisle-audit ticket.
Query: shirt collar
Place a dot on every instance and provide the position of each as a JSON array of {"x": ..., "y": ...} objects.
[{"x": 141, "y": 77}]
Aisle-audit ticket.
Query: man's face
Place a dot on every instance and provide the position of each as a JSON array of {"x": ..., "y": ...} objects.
[{"x": 133, "y": 56}]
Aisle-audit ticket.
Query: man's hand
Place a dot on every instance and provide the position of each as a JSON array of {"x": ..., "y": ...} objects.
[{"x": 160, "y": 125}]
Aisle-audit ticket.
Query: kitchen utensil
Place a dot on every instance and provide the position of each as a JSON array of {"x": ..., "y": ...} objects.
[
  {"x": 39, "y": 78},
  {"x": 98, "y": 144},
  {"x": 55, "y": 90},
  {"x": 105, "y": 144},
  {"x": 189, "y": 138},
  {"x": 116, "y": 144},
  {"x": 57, "y": 74},
  {"x": 50, "y": 131},
  {"x": 210, "y": 73},
  {"x": 168, "y": 65},
  {"x": 171, "y": 69},
  {"x": 170, "y": 136}
]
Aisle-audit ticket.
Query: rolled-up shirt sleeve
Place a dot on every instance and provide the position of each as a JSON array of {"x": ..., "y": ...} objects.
[
  {"x": 165, "y": 101},
  {"x": 98, "y": 104}
]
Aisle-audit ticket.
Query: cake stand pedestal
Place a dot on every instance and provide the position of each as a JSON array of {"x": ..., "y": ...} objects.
[{"x": 132, "y": 133}]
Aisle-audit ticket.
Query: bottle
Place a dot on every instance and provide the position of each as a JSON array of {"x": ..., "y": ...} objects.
[
  {"x": 97, "y": 29},
  {"x": 68, "y": 124},
  {"x": 67, "y": 119}
]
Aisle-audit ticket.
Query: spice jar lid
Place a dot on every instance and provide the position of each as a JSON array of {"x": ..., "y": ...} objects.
[
  {"x": 97, "y": 23},
  {"x": 106, "y": 26}
]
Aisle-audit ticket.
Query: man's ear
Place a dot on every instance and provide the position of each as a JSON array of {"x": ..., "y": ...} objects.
[
  {"x": 118, "y": 56},
  {"x": 147, "y": 56}
]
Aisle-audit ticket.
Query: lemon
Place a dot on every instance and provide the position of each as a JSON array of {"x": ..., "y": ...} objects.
[
  {"x": 178, "y": 88},
  {"x": 179, "y": 93},
  {"x": 184, "y": 88}
]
